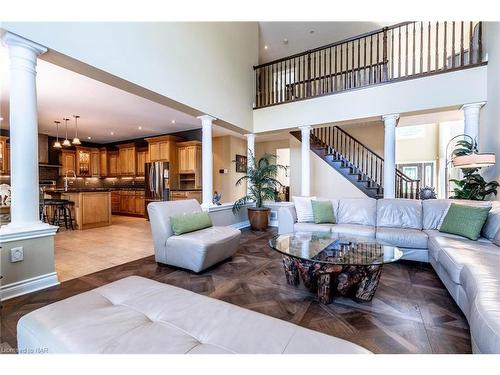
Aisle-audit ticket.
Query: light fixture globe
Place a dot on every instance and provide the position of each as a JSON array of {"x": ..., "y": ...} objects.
[
  {"x": 57, "y": 144},
  {"x": 66, "y": 143},
  {"x": 76, "y": 141}
]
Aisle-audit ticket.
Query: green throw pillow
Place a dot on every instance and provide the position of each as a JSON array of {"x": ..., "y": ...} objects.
[
  {"x": 323, "y": 212},
  {"x": 186, "y": 223},
  {"x": 464, "y": 220}
]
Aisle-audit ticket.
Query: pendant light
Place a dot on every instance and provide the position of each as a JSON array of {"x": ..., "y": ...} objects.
[
  {"x": 76, "y": 140},
  {"x": 57, "y": 144},
  {"x": 66, "y": 142}
]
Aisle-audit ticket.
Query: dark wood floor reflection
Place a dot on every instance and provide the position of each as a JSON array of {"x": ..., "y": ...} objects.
[{"x": 411, "y": 313}]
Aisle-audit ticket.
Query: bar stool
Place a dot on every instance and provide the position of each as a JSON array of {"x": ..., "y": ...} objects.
[{"x": 62, "y": 212}]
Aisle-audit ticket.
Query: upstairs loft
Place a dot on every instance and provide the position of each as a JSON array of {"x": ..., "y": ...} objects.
[{"x": 400, "y": 52}]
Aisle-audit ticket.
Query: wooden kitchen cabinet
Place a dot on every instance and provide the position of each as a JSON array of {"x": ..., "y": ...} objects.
[
  {"x": 103, "y": 162},
  {"x": 4, "y": 156},
  {"x": 113, "y": 164},
  {"x": 83, "y": 165},
  {"x": 142, "y": 159},
  {"x": 68, "y": 161},
  {"x": 164, "y": 148},
  {"x": 189, "y": 157},
  {"x": 115, "y": 201},
  {"x": 128, "y": 202},
  {"x": 127, "y": 157},
  {"x": 185, "y": 194},
  {"x": 95, "y": 163}
]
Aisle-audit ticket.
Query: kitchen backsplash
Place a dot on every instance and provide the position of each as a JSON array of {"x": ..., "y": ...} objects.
[{"x": 109, "y": 182}]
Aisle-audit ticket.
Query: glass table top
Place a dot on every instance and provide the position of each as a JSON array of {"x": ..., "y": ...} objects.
[{"x": 330, "y": 248}]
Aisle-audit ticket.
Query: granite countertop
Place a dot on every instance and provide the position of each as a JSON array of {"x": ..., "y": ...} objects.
[{"x": 90, "y": 189}]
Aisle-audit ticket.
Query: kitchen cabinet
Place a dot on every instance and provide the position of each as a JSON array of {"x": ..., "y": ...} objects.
[
  {"x": 90, "y": 209},
  {"x": 142, "y": 158},
  {"x": 4, "y": 157},
  {"x": 83, "y": 161},
  {"x": 95, "y": 163},
  {"x": 127, "y": 159},
  {"x": 113, "y": 164},
  {"x": 128, "y": 202},
  {"x": 189, "y": 156},
  {"x": 68, "y": 162},
  {"x": 177, "y": 195},
  {"x": 164, "y": 148},
  {"x": 103, "y": 162}
]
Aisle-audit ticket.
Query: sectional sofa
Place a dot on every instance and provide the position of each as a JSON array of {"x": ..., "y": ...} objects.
[{"x": 470, "y": 270}]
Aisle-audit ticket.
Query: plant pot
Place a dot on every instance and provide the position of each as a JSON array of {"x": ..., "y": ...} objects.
[{"x": 259, "y": 218}]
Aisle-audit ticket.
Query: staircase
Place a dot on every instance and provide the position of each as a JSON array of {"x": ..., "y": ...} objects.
[{"x": 357, "y": 163}]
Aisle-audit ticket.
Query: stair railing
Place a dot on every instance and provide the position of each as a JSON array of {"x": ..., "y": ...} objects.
[
  {"x": 342, "y": 145},
  {"x": 398, "y": 52}
]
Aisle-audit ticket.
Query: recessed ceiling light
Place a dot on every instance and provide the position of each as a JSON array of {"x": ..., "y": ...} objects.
[
  {"x": 1, "y": 118},
  {"x": 89, "y": 137},
  {"x": 266, "y": 47},
  {"x": 139, "y": 127},
  {"x": 112, "y": 133},
  {"x": 285, "y": 41},
  {"x": 173, "y": 121},
  {"x": 311, "y": 31}
]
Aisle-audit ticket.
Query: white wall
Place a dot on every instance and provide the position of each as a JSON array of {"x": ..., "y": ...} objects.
[
  {"x": 204, "y": 65},
  {"x": 489, "y": 134},
  {"x": 439, "y": 91},
  {"x": 326, "y": 182}
]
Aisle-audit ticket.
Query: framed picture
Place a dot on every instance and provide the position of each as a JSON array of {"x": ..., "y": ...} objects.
[{"x": 241, "y": 164}]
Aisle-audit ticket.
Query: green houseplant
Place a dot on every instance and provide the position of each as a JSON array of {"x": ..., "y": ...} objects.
[
  {"x": 262, "y": 185},
  {"x": 472, "y": 186}
]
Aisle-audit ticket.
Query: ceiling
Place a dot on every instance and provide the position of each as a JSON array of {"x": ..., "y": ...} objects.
[
  {"x": 302, "y": 36},
  {"x": 103, "y": 109}
]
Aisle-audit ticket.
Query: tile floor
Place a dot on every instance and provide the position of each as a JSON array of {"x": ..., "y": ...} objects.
[{"x": 78, "y": 253}]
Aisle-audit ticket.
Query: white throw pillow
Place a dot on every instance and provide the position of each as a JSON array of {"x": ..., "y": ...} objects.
[{"x": 304, "y": 209}]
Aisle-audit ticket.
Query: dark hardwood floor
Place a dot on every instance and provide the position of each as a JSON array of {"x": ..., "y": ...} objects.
[{"x": 411, "y": 313}]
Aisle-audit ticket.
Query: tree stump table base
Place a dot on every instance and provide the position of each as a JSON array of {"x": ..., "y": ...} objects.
[{"x": 327, "y": 280}]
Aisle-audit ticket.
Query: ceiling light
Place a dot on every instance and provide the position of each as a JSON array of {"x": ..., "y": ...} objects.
[
  {"x": 173, "y": 121},
  {"x": 76, "y": 140},
  {"x": 285, "y": 41},
  {"x": 140, "y": 127},
  {"x": 311, "y": 31},
  {"x": 66, "y": 142},
  {"x": 89, "y": 137},
  {"x": 1, "y": 118},
  {"x": 266, "y": 47},
  {"x": 112, "y": 133},
  {"x": 57, "y": 144}
]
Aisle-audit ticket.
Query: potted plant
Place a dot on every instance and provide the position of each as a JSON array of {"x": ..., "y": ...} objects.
[
  {"x": 262, "y": 185},
  {"x": 472, "y": 186}
]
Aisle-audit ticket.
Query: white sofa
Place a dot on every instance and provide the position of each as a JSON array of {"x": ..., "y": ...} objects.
[
  {"x": 470, "y": 270},
  {"x": 195, "y": 251},
  {"x": 138, "y": 315}
]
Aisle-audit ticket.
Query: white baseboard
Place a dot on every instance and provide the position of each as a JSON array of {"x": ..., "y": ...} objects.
[
  {"x": 27, "y": 286},
  {"x": 241, "y": 224}
]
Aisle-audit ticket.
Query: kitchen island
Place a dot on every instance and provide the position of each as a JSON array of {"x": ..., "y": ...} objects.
[{"x": 91, "y": 209}]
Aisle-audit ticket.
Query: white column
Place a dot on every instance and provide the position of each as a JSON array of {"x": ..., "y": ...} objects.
[
  {"x": 471, "y": 119},
  {"x": 250, "y": 153},
  {"x": 390, "y": 122},
  {"x": 23, "y": 131},
  {"x": 206, "y": 160},
  {"x": 305, "y": 190}
]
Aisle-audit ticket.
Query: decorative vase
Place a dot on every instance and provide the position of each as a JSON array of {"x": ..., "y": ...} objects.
[{"x": 259, "y": 218}]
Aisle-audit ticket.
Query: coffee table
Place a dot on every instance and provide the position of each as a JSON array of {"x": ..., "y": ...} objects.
[{"x": 329, "y": 264}]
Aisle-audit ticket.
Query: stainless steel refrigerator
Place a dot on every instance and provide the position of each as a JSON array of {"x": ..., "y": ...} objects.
[{"x": 156, "y": 183}]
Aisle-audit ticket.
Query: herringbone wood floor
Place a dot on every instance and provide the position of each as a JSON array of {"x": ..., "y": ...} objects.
[{"x": 411, "y": 313}]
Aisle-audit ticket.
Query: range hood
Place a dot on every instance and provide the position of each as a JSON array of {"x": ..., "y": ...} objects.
[{"x": 43, "y": 152}]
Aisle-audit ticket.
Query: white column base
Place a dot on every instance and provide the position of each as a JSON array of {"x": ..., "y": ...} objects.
[{"x": 15, "y": 232}]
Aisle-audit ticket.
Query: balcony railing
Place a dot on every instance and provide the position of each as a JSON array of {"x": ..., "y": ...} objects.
[{"x": 403, "y": 51}]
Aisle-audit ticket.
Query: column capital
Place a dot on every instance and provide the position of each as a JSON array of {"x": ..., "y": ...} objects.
[
  {"x": 477, "y": 105},
  {"x": 392, "y": 116},
  {"x": 10, "y": 39},
  {"x": 250, "y": 135},
  {"x": 206, "y": 118},
  {"x": 305, "y": 127}
]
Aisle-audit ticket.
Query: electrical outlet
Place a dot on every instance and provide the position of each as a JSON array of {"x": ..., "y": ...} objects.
[{"x": 16, "y": 254}]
